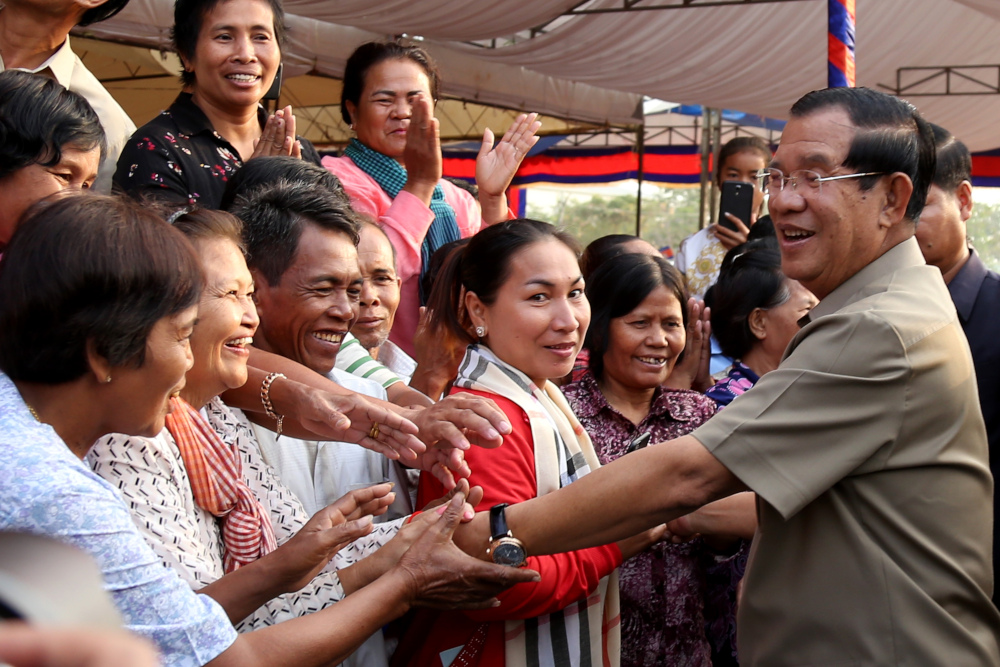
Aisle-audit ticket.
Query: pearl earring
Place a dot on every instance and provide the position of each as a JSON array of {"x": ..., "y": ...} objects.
[{"x": 480, "y": 331}]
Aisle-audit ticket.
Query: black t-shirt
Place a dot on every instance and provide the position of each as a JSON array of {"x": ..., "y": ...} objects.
[{"x": 178, "y": 157}]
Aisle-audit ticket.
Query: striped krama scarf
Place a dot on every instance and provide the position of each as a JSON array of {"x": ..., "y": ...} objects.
[
  {"x": 216, "y": 476},
  {"x": 586, "y": 633}
]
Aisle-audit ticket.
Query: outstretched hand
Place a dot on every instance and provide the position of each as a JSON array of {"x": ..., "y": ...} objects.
[
  {"x": 442, "y": 576},
  {"x": 496, "y": 165},
  {"x": 332, "y": 528},
  {"x": 352, "y": 418},
  {"x": 422, "y": 152}
]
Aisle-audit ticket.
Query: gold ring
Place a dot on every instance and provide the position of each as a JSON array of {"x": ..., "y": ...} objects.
[{"x": 373, "y": 434}]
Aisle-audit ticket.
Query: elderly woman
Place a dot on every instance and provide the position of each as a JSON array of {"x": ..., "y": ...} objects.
[
  {"x": 100, "y": 302},
  {"x": 50, "y": 140},
  {"x": 191, "y": 528},
  {"x": 636, "y": 336},
  {"x": 392, "y": 168},
  {"x": 755, "y": 313},
  {"x": 231, "y": 50}
]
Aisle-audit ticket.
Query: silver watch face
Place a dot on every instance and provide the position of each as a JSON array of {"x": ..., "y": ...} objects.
[{"x": 508, "y": 551}]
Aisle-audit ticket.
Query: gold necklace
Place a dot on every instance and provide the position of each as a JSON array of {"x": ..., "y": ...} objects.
[{"x": 34, "y": 414}]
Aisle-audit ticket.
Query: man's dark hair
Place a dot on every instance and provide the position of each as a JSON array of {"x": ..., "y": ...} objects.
[
  {"x": 369, "y": 55},
  {"x": 89, "y": 268},
  {"x": 263, "y": 170},
  {"x": 748, "y": 144},
  {"x": 891, "y": 137},
  {"x": 39, "y": 118},
  {"x": 102, "y": 12},
  {"x": 189, "y": 19},
  {"x": 954, "y": 162},
  {"x": 273, "y": 218},
  {"x": 619, "y": 286},
  {"x": 750, "y": 278}
]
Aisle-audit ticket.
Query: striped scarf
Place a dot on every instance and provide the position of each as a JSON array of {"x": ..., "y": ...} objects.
[
  {"x": 216, "y": 476},
  {"x": 586, "y": 633},
  {"x": 391, "y": 177}
]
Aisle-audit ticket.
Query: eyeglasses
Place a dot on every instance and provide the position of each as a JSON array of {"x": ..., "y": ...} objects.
[{"x": 773, "y": 181}]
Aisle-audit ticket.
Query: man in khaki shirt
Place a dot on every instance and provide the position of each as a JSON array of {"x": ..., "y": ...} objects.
[
  {"x": 34, "y": 36},
  {"x": 866, "y": 447}
]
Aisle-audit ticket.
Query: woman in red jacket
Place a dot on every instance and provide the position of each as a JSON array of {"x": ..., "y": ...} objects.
[{"x": 515, "y": 294}]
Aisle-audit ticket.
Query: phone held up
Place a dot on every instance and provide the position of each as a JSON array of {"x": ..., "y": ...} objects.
[{"x": 737, "y": 198}]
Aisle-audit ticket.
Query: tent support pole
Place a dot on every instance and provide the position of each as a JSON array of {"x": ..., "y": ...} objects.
[
  {"x": 640, "y": 143},
  {"x": 707, "y": 128}
]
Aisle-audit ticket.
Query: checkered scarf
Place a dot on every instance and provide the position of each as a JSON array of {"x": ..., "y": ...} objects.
[
  {"x": 391, "y": 177},
  {"x": 216, "y": 476},
  {"x": 586, "y": 633}
]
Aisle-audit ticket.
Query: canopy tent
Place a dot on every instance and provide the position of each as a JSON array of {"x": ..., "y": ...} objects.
[{"x": 564, "y": 58}]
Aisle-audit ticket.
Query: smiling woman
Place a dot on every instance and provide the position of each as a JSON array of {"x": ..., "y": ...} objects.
[
  {"x": 231, "y": 50},
  {"x": 525, "y": 315},
  {"x": 50, "y": 140}
]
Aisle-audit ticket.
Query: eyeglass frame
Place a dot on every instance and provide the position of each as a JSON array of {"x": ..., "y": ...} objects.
[{"x": 761, "y": 175}]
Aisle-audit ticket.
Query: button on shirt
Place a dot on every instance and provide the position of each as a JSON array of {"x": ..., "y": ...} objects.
[
  {"x": 178, "y": 157},
  {"x": 867, "y": 450},
  {"x": 66, "y": 67}
]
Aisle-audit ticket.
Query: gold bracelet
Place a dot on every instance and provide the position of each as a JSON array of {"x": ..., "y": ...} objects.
[{"x": 265, "y": 398}]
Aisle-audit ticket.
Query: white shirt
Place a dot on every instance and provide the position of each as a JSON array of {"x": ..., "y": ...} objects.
[{"x": 66, "y": 67}]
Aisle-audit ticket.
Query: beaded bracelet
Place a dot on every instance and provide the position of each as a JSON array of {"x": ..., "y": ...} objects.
[{"x": 265, "y": 398}]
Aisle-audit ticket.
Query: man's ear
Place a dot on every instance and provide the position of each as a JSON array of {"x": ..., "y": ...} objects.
[
  {"x": 261, "y": 290},
  {"x": 86, "y": 5},
  {"x": 963, "y": 194},
  {"x": 899, "y": 189},
  {"x": 99, "y": 367}
]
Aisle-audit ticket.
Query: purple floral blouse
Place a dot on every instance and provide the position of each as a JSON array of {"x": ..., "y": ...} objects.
[
  {"x": 178, "y": 157},
  {"x": 662, "y": 588}
]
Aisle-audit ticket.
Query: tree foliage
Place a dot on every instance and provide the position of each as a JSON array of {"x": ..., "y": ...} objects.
[{"x": 669, "y": 215}]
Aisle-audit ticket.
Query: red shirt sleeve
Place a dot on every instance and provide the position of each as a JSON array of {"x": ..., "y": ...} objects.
[{"x": 507, "y": 475}]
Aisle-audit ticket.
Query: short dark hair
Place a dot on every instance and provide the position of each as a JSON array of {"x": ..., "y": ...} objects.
[
  {"x": 369, "y": 55},
  {"x": 102, "y": 12},
  {"x": 273, "y": 217},
  {"x": 189, "y": 19},
  {"x": 601, "y": 250},
  {"x": 204, "y": 224},
  {"x": 263, "y": 170},
  {"x": 954, "y": 162},
  {"x": 88, "y": 267},
  {"x": 483, "y": 266},
  {"x": 746, "y": 144},
  {"x": 891, "y": 137},
  {"x": 750, "y": 277},
  {"x": 618, "y": 287},
  {"x": 39, "y": 118}
]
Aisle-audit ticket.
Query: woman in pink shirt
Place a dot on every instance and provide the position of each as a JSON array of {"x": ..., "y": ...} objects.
[{"x": 392, "y": 169}]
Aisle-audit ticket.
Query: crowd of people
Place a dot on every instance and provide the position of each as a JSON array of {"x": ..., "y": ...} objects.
[{"x": 311, "y": 411}]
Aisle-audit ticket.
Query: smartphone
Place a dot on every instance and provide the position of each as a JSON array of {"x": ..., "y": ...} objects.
[
  {"x": 737, "y": 198},
  {"x": 638, "y": 443},
  {"x": 275, "y": 90}
]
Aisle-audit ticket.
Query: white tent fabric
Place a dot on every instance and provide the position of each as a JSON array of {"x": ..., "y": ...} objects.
[
  {"x": 760, "y": 58},
  {"x": 755, "y": 57},
  {"x": 319, "y": 47}
]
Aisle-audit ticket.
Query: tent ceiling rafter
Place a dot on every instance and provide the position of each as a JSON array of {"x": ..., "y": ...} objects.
[
  {"x": 945, "y": 80},
  {"x": 635, "y": 6}
]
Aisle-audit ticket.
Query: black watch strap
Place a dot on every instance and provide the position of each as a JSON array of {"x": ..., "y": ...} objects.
[{"x": 498, "y": 521}]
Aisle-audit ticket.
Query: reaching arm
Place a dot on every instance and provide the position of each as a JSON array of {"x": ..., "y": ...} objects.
[{"x": 660, "y": 483}]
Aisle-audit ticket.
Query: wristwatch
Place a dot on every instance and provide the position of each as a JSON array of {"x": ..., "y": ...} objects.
[{"x": 504, "y": 548}]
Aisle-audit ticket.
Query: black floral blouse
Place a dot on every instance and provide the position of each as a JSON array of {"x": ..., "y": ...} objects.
[{"x": 178, "y": 157}]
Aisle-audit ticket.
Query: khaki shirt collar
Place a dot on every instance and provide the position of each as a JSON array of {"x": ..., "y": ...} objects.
[{"x": 900, "y": 256}]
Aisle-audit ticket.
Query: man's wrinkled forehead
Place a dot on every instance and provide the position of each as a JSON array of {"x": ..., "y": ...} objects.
[{"x": 817, "y": 140}]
